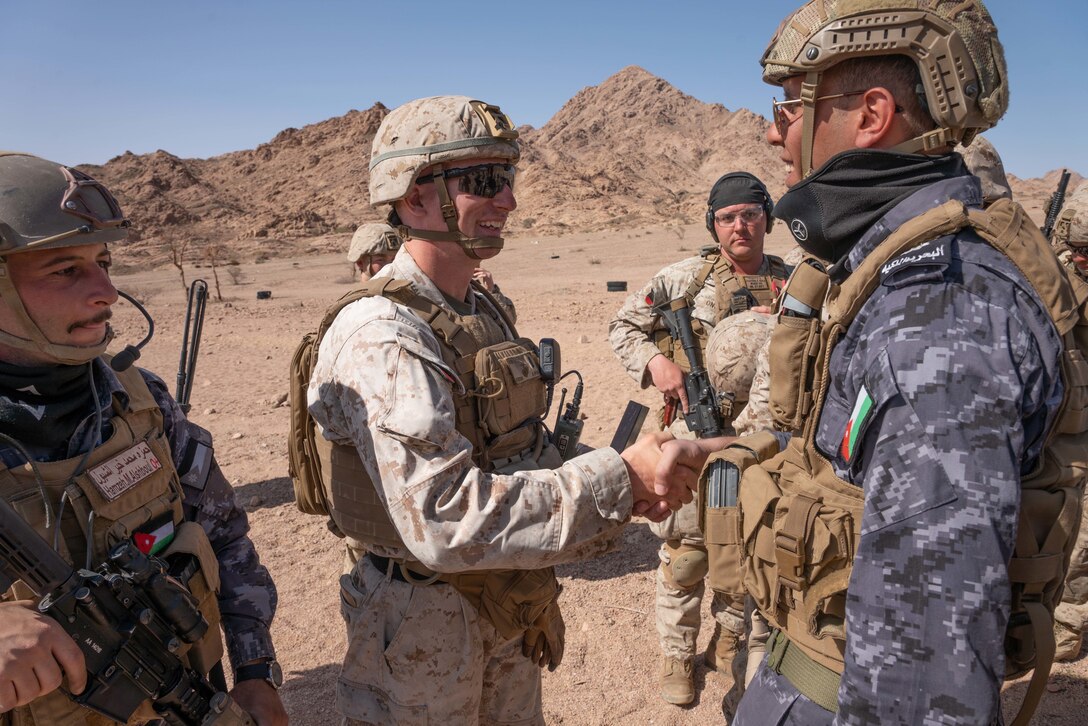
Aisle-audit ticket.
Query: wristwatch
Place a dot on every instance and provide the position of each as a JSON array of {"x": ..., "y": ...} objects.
[{"x": 268, "y": 671}]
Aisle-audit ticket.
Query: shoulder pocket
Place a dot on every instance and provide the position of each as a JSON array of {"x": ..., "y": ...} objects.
[
  {"x": 905, "y": 475},
  {"x": 417, "y": 411}
]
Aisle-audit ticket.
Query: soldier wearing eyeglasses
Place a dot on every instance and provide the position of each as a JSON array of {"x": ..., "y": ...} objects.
[
  {"x": 905, "y": 528},
  {"x": 734, "y": 279},
  {"x": 440, "y": 464}
]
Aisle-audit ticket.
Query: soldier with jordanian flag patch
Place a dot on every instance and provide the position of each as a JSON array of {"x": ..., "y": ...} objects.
[{"x": 94, "y": 450}]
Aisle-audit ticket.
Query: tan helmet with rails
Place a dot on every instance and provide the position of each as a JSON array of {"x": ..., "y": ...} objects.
[
  {"x": 952, "y": 42},
  {"x": 434, "y": 133},
  {"x": 46, "y": 205}
]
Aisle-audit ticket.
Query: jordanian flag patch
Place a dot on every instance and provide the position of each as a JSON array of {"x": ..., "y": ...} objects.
[
  {"x": 159, "y": 534},
  {"x": 862, "y": 408}
]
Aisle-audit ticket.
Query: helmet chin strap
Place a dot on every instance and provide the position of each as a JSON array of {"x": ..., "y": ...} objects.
[
  {"x": 470, "y": 245},
  {"x": 37, "y": 342},
  {"x": 808, "y": 119}
]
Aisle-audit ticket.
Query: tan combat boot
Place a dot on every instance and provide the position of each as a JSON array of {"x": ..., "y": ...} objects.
[
  {"x": 1067, "y": 643},
  {"x": 677, "y": 685},
  {"x": 722, "y": 649}
]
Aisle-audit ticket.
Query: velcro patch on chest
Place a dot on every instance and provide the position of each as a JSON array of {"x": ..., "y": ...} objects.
[
  {"x": 116, "y": 476},
  {"x": 931, "y": 258},
  {"x": 755, "y": 282}
]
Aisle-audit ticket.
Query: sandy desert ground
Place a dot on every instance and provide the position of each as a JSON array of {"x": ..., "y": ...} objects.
[{"x": 609, "y": 672}]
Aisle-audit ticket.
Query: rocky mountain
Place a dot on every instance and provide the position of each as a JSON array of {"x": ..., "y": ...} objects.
[{"x": 631, "y": 152}]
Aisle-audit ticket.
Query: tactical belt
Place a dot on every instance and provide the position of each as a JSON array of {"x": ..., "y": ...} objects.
[
  {"x": 816, "y": 682},
  {"x": 396, "y": 570}
]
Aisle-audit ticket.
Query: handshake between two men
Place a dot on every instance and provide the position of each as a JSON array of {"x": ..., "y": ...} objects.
[{"x": 665, "y": 471}]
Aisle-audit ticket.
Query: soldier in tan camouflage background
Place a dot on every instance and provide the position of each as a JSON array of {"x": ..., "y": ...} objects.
[
  {"x": 440, "y": 464},
  {"x": 735, "y": 280},
  {"x": 374, "y": 245},
  {"x": 1071, "y": 616}
]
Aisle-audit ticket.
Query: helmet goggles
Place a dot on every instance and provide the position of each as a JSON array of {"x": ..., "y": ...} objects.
[{"x": 482, "y": 180}]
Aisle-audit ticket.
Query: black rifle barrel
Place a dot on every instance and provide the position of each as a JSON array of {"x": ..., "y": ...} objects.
[
  {"x": 703, "y": 417},
  {"x": 1054, "y": 208}
]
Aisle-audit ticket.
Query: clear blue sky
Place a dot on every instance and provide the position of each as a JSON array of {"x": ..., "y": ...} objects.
[{"x": 83, "y": 82}]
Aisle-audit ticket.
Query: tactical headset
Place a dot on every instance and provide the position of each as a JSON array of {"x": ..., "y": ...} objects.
[{"x": 767, "y": 204}]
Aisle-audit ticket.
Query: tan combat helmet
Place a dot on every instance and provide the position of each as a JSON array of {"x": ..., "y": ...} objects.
[
  {"x": 732, "y": 353},
  {"x": 953, "y": 42},
  {"x": 984, "y": 162},
  {"x": 373, "y": 239},
  {"x": 1071, "y": 229},
  {"x": 45, "y": 205},
  {"x": 434, "y": 132}
]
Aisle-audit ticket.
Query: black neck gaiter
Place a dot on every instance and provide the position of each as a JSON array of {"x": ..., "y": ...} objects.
[
  {"x": 834, "y": 206},
  {"x": 41, "y": 406}
]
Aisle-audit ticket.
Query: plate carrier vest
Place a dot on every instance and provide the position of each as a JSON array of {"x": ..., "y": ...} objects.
[
  {"x": 500, "y": 401},
  {"x": 91, "y": 523}
]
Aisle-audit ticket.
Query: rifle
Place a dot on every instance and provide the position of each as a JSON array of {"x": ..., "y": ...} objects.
[
  {"x": 130, "y": 618},
  {"x": 194, "y": 316},
  {"x": 704, "y": 416},
  {"x": 1054, "y": 206}
]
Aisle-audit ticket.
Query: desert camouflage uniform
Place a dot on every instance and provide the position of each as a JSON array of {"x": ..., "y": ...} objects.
[
  {"x": 1071, "y": 615},
  {"x": 247, "y": 596},
  {"x": 505, "y": 303},
  {"x": 419, "y": 653},
  {"x": 631, "y": 336},
  {"x": 962, "y": 362}
]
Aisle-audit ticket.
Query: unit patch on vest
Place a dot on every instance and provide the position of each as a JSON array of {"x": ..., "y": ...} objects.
[
  {"x": 124, "y": 471},
  {"x": 932, "y": 256},
  {"x": 755, "y": 282}
]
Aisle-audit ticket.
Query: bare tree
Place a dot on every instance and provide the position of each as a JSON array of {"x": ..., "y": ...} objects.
[
  {"x": 215, "y": 254},
  {"x": 178, "y": 246}
]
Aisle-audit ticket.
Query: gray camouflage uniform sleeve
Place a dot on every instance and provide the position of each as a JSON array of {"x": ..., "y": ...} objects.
[
  {"x": 380, "y": 385},
  {"x": 247, "y": 595},
  {"x": 929, "y": 594}
]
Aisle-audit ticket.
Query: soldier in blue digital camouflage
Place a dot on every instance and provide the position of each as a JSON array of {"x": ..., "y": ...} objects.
[
  {"x": 914, "y": 507},
  {"x": 87, "y": 425}
]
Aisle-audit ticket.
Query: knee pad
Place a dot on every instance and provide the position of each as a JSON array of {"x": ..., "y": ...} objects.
[{"x": 687, "y": 566}]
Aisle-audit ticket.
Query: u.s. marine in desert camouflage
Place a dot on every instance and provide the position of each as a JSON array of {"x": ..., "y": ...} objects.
[
  {"x": 440, "y": 464},
  {"x": 64, "y": 406},
  {"x": 1071, "y": 616},
  {"x": 722, "y": 285}
]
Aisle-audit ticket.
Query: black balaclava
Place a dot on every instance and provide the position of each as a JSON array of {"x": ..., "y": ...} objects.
[
  {"x": 829, "y": 211},
  {"x": 43, "y": 405}
]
